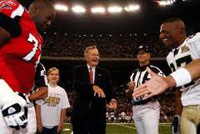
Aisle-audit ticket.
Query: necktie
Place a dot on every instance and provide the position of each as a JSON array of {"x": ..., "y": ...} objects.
[{"x": 91, "y": 76}]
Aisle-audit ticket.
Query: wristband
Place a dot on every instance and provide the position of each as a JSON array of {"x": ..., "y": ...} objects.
[{"x": 181, "y": 77}]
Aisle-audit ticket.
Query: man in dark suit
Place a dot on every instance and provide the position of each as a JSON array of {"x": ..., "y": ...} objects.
[{"x": 94, "y": 91}]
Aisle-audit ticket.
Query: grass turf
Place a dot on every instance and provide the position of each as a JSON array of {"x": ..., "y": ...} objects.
[{"x": 120, "y": 128}]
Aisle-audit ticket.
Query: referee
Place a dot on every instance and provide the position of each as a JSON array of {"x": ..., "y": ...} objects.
[{"x": 146, "y": 113}]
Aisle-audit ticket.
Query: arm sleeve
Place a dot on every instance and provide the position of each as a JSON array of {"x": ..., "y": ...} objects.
[
  {"x": 158, "y": 71},
  {"x": 40, "y": 77},
  {"x": 132, "y": 77},
  {"x": 81, "y": 85},
  {"x": 194, "y": 45},
  {"x": 10, "y": 14},
  {"x": 110, "y": 92},
  {"x": 65, "y": 100}
]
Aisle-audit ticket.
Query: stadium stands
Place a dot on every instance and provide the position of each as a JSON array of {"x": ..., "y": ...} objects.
[{"x": 110, "y": 46}]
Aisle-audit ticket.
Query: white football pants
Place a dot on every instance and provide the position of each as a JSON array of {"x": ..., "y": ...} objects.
[{"x": 146, "y": 118}]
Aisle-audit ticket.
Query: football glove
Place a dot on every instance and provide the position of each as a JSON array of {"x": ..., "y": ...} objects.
[
  {"x": 176, "y": 124},
  {"x": 13, "y": 107},
  {"x": 15, "y": 115}
]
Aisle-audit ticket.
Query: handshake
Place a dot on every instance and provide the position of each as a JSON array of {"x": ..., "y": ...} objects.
[{"x": 13, "y": 107}]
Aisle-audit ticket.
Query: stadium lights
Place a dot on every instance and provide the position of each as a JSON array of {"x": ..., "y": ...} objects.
[
  {"x": 166, "y": 2},
  {"x": 115, "y": 9},
  {"x": 61, "y": 7},
  {"x": 78, "y": 9},
  {"x": 100, "y": 10},
  {"x": 132, "y": 8}
]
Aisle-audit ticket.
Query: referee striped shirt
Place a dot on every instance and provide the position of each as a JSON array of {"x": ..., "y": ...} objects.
[{"x": 139, "y": 76}]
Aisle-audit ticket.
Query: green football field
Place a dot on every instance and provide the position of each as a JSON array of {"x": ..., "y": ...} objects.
[{"x": 119, "y": 128}]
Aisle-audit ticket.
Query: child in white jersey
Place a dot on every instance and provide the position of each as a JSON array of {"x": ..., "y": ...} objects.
[{"x": 51, "y": 111}]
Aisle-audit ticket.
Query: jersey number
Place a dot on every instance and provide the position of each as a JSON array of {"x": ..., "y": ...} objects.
[
  {"x": 35, "y": 43},
  {"x": 185, "y": 60}
]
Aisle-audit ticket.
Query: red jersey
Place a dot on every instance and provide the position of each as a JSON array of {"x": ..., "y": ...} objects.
[{"x": 20, "y": 55}]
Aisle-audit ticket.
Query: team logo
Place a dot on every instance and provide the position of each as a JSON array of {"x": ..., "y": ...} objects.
[
  {"x": 184, "y": 49},
  {"x": 52, "y": 101},
  {"x": 11, "y": 110},
  {"x": 6, "y": 5}
]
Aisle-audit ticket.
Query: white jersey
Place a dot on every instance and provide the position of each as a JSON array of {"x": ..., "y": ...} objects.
[
  {"x": 52, "y": 105},
  {"x": 188, "y": 51}
]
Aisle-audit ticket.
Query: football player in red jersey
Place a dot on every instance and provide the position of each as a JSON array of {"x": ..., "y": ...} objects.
[{"x": 20, "y": 50}]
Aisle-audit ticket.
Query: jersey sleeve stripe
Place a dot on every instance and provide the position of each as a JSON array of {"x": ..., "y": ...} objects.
[
  {"x": 18, "y": 12},
  {"x": 158, "y": 71}
]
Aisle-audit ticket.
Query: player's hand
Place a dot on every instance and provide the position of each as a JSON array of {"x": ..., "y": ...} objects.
[
  {"x": 112, "y": 104},
  {"x": 131, "y": 85},
  {"x": 15, "y": 113},
  {"x": 39, "y": 127},
  {"x": 98, "y": 91},
  {"x": 176, "y": 124},
  {"x": 156, "y": 85}
]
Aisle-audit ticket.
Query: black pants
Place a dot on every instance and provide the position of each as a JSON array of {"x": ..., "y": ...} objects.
[
  {"x": 90, "y": 119},
  {"x": 89, "y": 124},
  {"x": 49, "y": 130}
]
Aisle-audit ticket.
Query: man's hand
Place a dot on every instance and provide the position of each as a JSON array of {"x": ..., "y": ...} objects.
[
  {"x": 99, "y": 91},
  {"x": 15, "y": 114},
  {"x": 131, "y": 85},
  {"x": 129, "y": 91},
  {"x": 112, "y": 104},
  {"x": 176, "y": 124},
  {"x": 156, "y": 85}
]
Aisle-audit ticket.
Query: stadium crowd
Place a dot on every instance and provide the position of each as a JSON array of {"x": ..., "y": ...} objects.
[{"x": 109, "y": 45}]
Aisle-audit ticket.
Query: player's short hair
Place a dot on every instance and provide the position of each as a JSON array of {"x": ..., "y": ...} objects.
[
  {"x": 172, "y": 20},
  {"x": 41, "y": 4},
  {"x": 89, "y": 48},
  {"x": 178, "y": 21},
  {"x": 52, "y": 69}
]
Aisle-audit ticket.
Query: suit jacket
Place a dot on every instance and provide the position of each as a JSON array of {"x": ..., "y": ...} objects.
[{"x": 86, "y": 103}]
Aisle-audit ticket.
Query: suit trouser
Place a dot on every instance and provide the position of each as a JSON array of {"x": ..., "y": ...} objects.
[
  {"x": 89, "y": 124},
  {"x": 146, "y": 118},
  {"x": 190, "y": 120},
  {"x": 30, "y": 129}
]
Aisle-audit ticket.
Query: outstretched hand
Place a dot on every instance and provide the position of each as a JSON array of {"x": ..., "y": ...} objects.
[
  {"x": 112, "y": 104},
  {"x": 155, "y": 86}
]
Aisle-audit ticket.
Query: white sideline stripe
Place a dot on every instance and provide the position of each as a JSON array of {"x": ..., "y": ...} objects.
[
  {"x": 119, "y": 124},
  {"x": 129, "y": 123},
  {"x": 122, "y": 125},
  {"x": 66, "y": 129}
]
